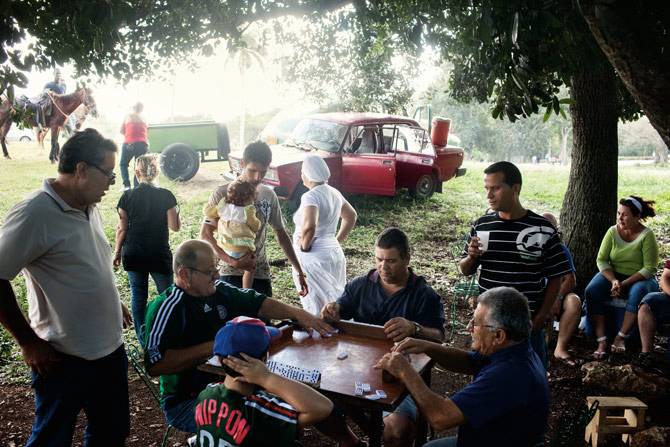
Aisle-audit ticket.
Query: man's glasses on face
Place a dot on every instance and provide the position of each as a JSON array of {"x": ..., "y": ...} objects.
[
  {"x": 111, "y": 176},
  {"x": 210, "y": 273},
  {"x": 473, "y": 325}
]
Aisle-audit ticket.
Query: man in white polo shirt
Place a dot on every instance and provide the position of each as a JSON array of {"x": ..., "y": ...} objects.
[{"x": 73, "y": 343}]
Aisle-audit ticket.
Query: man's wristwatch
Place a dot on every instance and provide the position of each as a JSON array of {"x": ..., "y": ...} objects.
[{"x": 417, "y": 328}]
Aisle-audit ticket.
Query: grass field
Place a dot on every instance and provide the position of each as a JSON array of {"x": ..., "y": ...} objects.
[{"x": 435, "y": 226}]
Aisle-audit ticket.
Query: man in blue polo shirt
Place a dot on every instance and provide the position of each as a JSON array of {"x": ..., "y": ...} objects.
[
  {"x": 403, "y": 302},
  {"x": 507, "y": 403}
]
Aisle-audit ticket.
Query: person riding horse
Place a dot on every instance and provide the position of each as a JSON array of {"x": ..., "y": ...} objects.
[{"x": 63, "y": 106}]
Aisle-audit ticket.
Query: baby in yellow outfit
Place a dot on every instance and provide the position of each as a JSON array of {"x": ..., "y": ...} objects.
[{"x": 237, "y": 223}]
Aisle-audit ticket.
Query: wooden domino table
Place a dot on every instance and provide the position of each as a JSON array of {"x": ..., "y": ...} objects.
[{"x": 364, "y": 346}]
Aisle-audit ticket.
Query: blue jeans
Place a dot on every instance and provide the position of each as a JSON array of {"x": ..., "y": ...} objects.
[
  {"x": 136, "y": 150},
  {"x": 182, "y": 416},
  {"x": 451, "y": 441},
  {"x": 598, "y": 291},
  {"x": 139, "y": 288},
  {"x": 659, "y": 305},
  {"x": 99, "y": 386},
  {"x": 406, "y": 407},
  {"x": 539, "y": 345},
  {"x": 260, "y": 285}
]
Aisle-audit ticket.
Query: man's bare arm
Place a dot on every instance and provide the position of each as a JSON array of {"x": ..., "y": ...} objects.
[
  {"x": 178, "y": 360},
  {"x": 469, "y": 264},
  {"x": 37, "y": 353},
  {"x": 550, "y": 294}
]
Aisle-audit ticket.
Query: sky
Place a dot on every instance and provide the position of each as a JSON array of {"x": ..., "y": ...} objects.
[{"x": 215, "y": 89}]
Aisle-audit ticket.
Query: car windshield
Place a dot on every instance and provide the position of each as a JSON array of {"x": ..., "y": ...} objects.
[{"x": 318, "y": 134}]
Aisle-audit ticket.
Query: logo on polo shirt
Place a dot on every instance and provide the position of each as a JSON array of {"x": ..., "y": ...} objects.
[
  {"x": 206, "y": 308},
  {"x": 223, "y": 313},
  {"x": 531, "y": 241}
]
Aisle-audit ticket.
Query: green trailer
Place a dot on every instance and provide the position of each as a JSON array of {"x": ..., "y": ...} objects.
[{"x": 183, "y": 146}]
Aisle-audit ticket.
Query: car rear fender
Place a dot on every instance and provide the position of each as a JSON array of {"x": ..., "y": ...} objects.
[{"x": 447, "y": 160}]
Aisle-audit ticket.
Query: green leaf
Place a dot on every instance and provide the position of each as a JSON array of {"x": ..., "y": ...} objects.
[{"x": 567, "y": 101}]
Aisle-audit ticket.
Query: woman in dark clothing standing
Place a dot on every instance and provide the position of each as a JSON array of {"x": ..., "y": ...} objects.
[{"x": 145, "y": 214}]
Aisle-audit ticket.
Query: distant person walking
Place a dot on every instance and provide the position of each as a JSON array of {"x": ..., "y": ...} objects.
[
  {"x": 135, "y": 143},
  {"x": 142, "y": 237}
]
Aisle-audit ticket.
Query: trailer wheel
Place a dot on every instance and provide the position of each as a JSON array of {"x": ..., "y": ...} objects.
[{"x": 179, "y": 162}]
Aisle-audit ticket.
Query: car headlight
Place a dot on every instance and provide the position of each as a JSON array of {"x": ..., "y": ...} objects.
[{"x": 272, "y": 174}]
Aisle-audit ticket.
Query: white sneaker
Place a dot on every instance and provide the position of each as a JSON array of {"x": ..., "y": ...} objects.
[
  {"x": 190, "y": 441},
  {"x": 124, "y": 188}
]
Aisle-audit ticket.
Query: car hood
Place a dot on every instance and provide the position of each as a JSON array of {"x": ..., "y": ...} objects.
[{"x": 284, "y": 155}]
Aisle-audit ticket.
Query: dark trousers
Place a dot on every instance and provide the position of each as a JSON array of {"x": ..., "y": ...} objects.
[
  {"x": 99, "y": 387},
  {"x": 128, "y": 151}
]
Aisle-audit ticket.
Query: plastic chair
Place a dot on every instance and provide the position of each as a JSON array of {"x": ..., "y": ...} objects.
[
  {"x": 136, "y": 359},
  {"x": 465, "y": 287}
]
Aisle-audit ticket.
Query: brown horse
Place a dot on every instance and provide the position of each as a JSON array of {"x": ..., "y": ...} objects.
[
  {"x": 63, "y": 106},
  {"x": 80, "y": 114}
]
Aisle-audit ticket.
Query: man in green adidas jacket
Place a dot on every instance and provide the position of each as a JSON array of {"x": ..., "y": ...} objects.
[{"x": 181, "y": 325}]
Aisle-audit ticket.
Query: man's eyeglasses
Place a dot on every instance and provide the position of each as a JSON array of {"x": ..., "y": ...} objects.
[
  {"x": 472, "y": 324},
  {"x": 210, "y": 273},
  {"x": 110, "y": 175}
]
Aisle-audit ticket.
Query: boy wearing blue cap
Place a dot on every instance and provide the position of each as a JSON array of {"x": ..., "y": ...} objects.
[{"x": 235, "y": 413}]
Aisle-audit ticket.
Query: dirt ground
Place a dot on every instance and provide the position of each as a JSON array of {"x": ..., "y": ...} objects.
[{"x": 148, "y": 423}]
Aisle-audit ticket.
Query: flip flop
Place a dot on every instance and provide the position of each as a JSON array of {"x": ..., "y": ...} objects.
[
  {"x": 573, "y": 361},
  {"x": 618, "y": 349},
  {"x": 600, "y": 355}
]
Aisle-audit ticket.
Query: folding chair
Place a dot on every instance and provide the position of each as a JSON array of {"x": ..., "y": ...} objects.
[
  {"x": 136, "y": 359},
  {"x": 465, "y": 287}
]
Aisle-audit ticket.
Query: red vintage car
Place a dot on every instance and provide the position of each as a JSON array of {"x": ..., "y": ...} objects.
[{"x": 367, "y": 153}]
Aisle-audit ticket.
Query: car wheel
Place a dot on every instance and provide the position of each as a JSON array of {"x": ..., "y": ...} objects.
[
  {"x": 294, "y": 201},
  {"x": 25, "y": 138},
  {"x": 179, "y": 162},
  {"x": 425, "y": 187}
]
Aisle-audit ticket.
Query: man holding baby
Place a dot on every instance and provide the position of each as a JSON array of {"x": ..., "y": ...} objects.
[{"x": 516, "y": 247}]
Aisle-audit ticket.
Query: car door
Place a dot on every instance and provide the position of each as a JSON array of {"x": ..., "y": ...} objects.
[
  {"x": 366, "y": 167},
  {"x": 414, "y": 154}
]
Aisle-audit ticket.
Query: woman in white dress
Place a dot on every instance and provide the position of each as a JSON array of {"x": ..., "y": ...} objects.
[{"x": 315, "y": 240}]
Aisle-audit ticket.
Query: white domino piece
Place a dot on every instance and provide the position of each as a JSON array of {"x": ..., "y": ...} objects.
[
  {"x": 342, "y": 356},
  {"x": 359, "y": 384},
  {"x": 373, "y": 396},
  {"x": 381, "y": 394},
  {"x": 359, "y": 391},
  {"x": 335, "y": 331},
  {"x": 366, "y": 387}
]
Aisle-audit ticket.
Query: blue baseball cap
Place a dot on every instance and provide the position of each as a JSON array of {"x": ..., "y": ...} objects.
[{"x": 244, "y": 334}]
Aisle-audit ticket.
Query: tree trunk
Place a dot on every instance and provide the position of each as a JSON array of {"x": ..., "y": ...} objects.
[
  {"x": 589, "y": 205},
  {"x": 565, "y": 133},
  {"x": 635, "y": 48},
  {"x": 660, "y": 152}
]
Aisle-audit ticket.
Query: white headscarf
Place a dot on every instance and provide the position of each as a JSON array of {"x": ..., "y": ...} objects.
[{"x": 315, "y": 169}]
